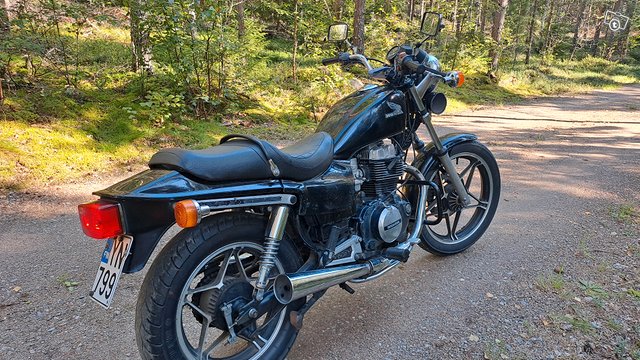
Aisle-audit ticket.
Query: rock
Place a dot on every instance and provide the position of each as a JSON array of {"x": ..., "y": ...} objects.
[
  {"x": 619, "y": 266},
  {"x": 474, "y": 338},
  {"x": 489, "y": 295}
]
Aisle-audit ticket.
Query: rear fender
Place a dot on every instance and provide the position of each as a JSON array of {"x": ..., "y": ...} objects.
[{"x": 147, "y": 200}]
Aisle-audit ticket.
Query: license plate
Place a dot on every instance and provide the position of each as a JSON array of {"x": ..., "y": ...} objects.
[{"x": 113, "y": 258}]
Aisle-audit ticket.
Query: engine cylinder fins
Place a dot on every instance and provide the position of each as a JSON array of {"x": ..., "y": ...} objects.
[{"x": 382, "y": 176}]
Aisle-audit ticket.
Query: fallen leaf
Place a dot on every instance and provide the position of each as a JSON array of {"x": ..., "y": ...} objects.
[
  {"x": 17, "y": 288},
  {"x": 489, "y": 295}
]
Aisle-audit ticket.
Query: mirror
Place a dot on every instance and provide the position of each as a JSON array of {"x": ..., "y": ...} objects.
[
  {"x": 431, "y": 23},
  {"x": 338, "y": 32}
]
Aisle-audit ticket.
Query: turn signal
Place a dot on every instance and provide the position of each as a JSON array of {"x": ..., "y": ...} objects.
[
  {"x": 100, "y": 219},
  {"x": 186, "y": 213},
  {"x": 460, "y": 79}
]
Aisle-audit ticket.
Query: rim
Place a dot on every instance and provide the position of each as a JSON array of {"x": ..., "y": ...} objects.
[
  {"x": 460, "y": 223},
  {"x": 197, "y": 336}
]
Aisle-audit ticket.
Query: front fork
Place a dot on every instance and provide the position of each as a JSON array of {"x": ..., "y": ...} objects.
[{"x": 442, "y": 155}]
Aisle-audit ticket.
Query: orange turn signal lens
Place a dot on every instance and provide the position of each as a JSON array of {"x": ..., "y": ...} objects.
[
  {"x": 186, "y": 213},
  {"x": 460, "y": 79}
]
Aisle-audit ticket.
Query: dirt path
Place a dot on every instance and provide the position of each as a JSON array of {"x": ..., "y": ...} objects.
[{"x": 571, "y": 177}]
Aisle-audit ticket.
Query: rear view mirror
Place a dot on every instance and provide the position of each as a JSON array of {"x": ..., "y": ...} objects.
[
  {"x": 338, "y": 32},
  {"x": 431, "y": 23}
]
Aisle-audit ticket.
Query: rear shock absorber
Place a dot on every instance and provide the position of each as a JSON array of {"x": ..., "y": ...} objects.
[{"x": 277, "y": 224}]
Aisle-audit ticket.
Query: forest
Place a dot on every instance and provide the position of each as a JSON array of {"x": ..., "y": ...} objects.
[{"x": 92, "y": 85}]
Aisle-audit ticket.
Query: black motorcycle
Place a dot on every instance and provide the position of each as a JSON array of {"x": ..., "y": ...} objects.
[{"x": 267, "y": 231}]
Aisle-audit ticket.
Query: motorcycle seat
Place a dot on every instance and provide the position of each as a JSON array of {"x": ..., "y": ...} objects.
[{"x": 249, "y": 158}]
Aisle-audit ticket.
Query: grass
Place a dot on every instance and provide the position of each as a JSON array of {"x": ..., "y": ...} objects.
[
  {"x": 49, "y": 135},
  {"x": 625, "y": 213},
  {"x": 550, "y": 283}
]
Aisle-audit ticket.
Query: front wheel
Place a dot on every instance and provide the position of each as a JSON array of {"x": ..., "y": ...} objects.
[
  {"x": 199, "y": 274},
  {"x": 461, "y": 226}
]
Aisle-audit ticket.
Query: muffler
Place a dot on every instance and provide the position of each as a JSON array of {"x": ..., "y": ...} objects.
[{"x": 288, "y": 288}]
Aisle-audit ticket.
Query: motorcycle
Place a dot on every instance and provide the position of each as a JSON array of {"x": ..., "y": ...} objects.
[{"x": 267, "y": 231}]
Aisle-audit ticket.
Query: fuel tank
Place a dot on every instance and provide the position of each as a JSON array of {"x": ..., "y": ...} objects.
[{"x": 367, "y": 115}]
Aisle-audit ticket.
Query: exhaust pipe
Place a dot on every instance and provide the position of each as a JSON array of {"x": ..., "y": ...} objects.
[{"x": 288, "y": 288}]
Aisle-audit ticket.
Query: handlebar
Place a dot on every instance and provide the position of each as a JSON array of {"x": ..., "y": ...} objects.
[
  {"x": 413, "y": 66},
  {"x": 330, "y": 61},
  {"x": 345, "y": 58},
  {"x": 452, "y": 78}
]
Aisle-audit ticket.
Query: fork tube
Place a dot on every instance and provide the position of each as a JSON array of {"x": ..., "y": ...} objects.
[
  {"x": 443, "y": 156},
  {"x": 275, "y": 228}
]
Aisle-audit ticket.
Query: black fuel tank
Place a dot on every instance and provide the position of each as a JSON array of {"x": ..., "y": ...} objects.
[{"x": 368, "y": 115}]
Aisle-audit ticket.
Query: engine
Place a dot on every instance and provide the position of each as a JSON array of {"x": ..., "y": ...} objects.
[{"x": 383, "y": 214}]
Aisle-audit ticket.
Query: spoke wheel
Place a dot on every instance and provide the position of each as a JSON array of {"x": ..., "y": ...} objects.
[
  {"x": 461, "y": 226},
  {"x": 224, "y": 277},
  {"x": 196, "y": 287}
]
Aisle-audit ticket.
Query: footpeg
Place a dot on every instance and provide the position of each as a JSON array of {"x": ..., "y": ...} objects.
[
  {"x": 347, "y": 288},
  {"x": 397, "y": 254}
]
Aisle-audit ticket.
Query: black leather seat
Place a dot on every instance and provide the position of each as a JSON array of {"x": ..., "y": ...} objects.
[{"x": 245, "y": 160}]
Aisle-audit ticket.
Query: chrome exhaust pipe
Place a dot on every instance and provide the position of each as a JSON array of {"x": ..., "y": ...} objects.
[{"x": 288, "y": 288}]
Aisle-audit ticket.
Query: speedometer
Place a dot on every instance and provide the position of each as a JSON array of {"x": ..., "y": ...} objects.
[{"x": 392, "y": 53}]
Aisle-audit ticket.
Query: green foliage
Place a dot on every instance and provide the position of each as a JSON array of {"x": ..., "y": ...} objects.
[
  {"x": 163, "y": 105},
  {"x": 73, "y": 107}
]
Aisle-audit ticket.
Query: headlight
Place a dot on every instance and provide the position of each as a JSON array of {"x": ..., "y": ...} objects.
[{"x": 432, "y": 62}]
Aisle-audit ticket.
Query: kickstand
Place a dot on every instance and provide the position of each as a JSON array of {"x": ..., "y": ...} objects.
[
  {"x": 297, "y": 317},
  {"x": 347, "y": 288}
]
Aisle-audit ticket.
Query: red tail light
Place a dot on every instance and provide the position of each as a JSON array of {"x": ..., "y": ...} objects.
[{"x": 100, "y": 219}]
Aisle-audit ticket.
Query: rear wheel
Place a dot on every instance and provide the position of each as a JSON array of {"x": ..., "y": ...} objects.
[
  {"x": 462, "y": 226},
  {"x": 199, "y": 273}
]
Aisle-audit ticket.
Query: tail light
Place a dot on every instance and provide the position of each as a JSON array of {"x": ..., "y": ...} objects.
[{"x": 100, "y": 219}]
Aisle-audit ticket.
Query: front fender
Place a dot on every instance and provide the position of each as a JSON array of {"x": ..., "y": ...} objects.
[{"x": 427, "y": 157}]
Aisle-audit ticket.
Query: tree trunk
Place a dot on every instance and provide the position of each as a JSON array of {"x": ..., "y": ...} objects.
[
  {"x": 358, "y": 26},
  {"x": 338, "y": 6},
  {"x": 623, "y": 42},
  {"x": 532, "y": 27},
  {"x": 295, "y": 41},
  {"x": 483, "y": 16},
  {"x": 5, "y": 12},
  {"x": 576, "y": 32},
  {"x": 240, "y": 16},
  {"x": 411, "y": 9},
  {"x": 547, "y": 26},
  {"x": 454, "y": 16},
  {"x": 496, "y": 32},
  {"x": 140, "y": 44},
  {"x": 612, "y": 34},
  {"x": 596, "y": 36}
]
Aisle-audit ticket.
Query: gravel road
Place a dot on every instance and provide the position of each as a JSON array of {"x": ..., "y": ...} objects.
[{"x": 555, "y": 276}]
